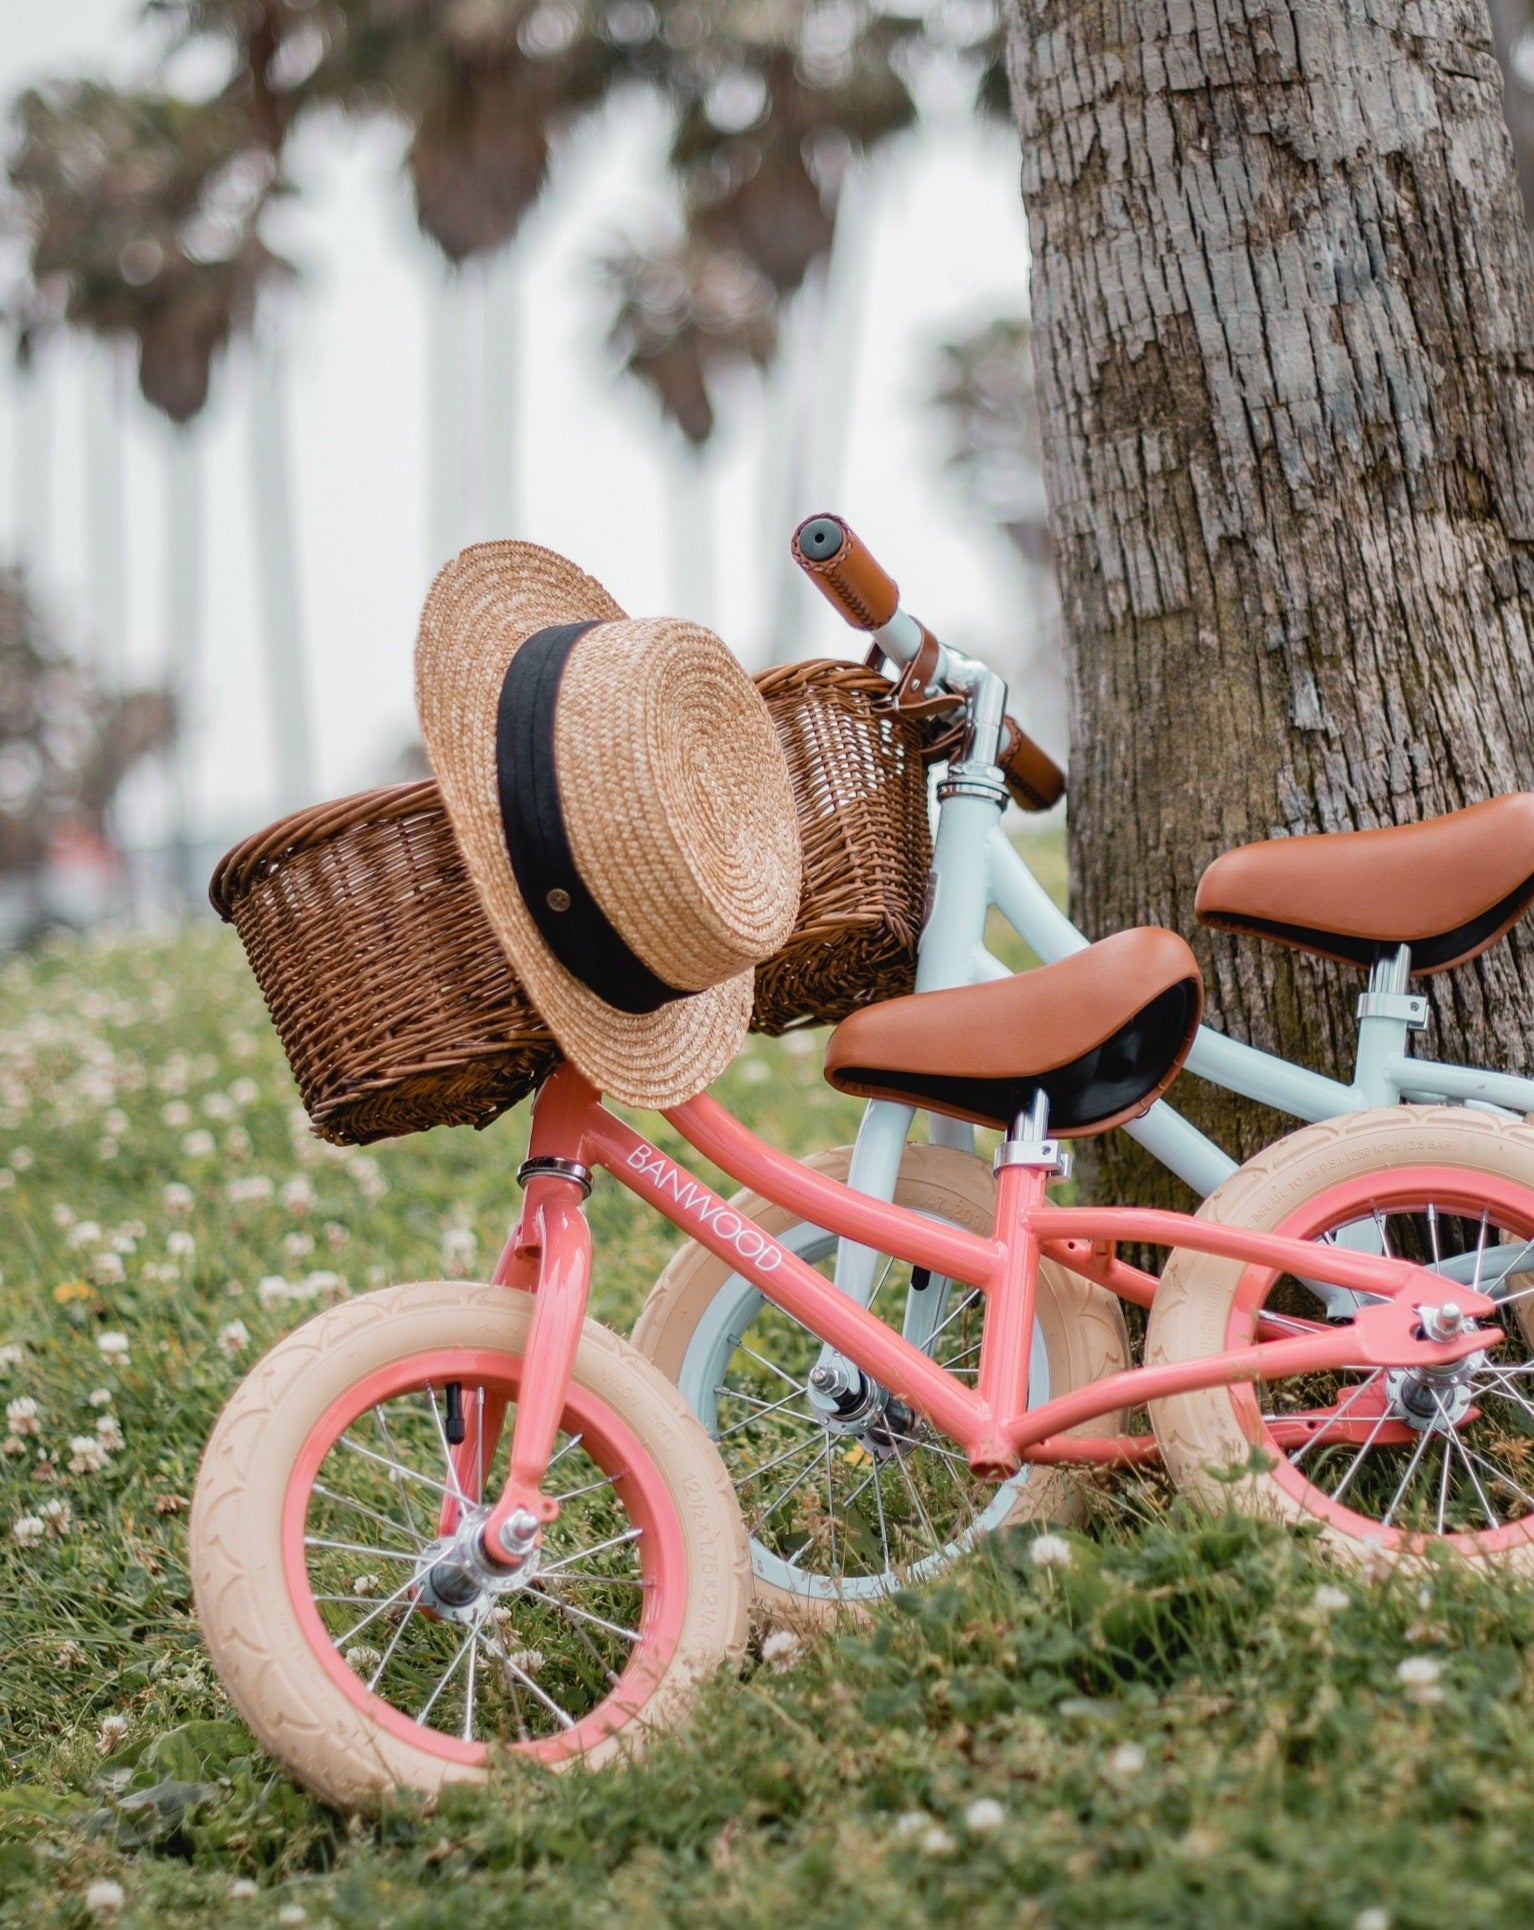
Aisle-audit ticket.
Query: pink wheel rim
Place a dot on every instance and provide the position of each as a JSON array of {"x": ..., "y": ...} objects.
[
  {"x": 1408, "y": 1188},
  {"x": 636, "y": 1480}
]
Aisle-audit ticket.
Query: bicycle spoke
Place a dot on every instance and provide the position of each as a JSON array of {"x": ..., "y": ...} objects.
[
  {"x": 585, "y": 1615},
  {"x": 395, "y": 1467},
  {"x": 358, "y": 1548},
  {"x": 468, "y": 1694},
  {"x": 340, "y": 1641},
  {"x": 447, "y": 1453},
  {"x": 772, "y": 1368},
  {"x": 345, "y": 1501},
  {"x": 1306, "y": 1446},
  {"x": 561, "y": 1716},
  {"x": 394, "y": 1641},
  {"x": 446, "y": 1677},
  {"x": 1411, "y": 1469},
  {"x": 1342, "y": 1487},
  {"x": 397, "y": 1471},
  {"x": 597, "y": 1548},
  {"x": 755, "y": 1474},
  {"x": 766, "y": 1408}
]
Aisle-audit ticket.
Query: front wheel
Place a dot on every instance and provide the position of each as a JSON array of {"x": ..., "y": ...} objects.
[
  {"x": 843, "y": 1515},
  {"x": 317, "y": 1532},
  {"x": 1393, "y": 1460}
]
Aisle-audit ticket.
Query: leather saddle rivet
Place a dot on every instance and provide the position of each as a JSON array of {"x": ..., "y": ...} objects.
[{"x": 558, "y": 900}]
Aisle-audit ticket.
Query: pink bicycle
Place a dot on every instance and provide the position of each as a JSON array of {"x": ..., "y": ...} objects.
[{"x": 443, "y": 1517}]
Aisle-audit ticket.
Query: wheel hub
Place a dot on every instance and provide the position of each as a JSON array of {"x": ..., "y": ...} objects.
[
  {"x": 458, "y": 1582},
  {"x": 1433, "y": 1399}
]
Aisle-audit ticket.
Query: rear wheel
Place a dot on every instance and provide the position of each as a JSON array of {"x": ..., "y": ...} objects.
[
  {"x": 1380, "y": 1458},
  {"x": 323, "y": 1550}
]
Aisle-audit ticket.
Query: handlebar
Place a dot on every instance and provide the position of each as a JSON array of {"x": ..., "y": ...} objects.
[{"x": 862, "y": 591}]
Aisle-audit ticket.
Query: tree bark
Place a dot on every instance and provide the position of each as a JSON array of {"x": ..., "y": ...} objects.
[{"x": 1283, "y": 327}]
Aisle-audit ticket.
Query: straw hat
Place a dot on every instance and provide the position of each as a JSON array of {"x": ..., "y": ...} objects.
[{"x": 624, "y": 807}]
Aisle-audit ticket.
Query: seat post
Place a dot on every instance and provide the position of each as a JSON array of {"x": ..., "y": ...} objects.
[
  {"x": 1387, "y": 1014},
  {"x": 1028, "y": 1143}
]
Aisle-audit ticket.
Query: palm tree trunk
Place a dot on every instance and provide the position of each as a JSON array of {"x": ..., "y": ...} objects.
[
  {"x": 104, "y": 512},
  {"x": 1283, "y": 309},
  {"x": 183, "y": 610},
  {"x": 278, "y": 571}
]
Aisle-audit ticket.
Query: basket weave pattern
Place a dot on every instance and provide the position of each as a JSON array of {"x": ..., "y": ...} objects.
[
  {"x": 860, "y": 787},
  {"x": 396, "y": 1007}
]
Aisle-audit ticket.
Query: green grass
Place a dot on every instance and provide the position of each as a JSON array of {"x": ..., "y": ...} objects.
[{"x": 1175, "y": 1730}]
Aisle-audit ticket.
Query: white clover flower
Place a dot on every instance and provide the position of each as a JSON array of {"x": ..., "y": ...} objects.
[
  {"x": 237, "y": 1143},
  {"x": 1125, "y": 1763},
  {"x": 180, "y": 1243},
  {"x": 460, "y": 1248},
  {"x": 297, "y": 1245},
  {"x": 12, "y": 1355},
  {"x": 87, "y": 1455},
  {"x": 176, "y": 1114},
  {"x": 1373, "y": 1919},
  {"x": 218, "y": 1106},
  {"x": 361, "y": 1659},
  {"x": 245, "y": 1091},
  {"x": 198, "y": 1144},
  {"x": 367, "y": 1585},
  {"x": 113, "y": 1345},
  {"x": 1328, "y": 1600},
  {"x": 910, "y": 1822},
  {"x": 62, "y": 1215},
  {"x": 937, "y": 1841},
  {"x": 242, "y": 1889},
  {"x": 115, "y": 1121},
  {"x": 292, "y": 1913},
  {"x": 297, "y": 1194},
  {"x": 254, "y": 1189},
  {"x": 233, "y": 1339},
  {"x": 105, "y": 1898},
  {"x": 178, "y": 1199},
  {"x": 272, "y": 1287},
  {"x": 1418, "y": 1675},
  {"x": 110, "y": 1434},
  {"x": 529, "y": 1661},
  {"x": 100, "y": 1397},
  {"x": 755, "y": 1072},
  {"x": 107, "y": 1269},
  {"x": 21, "y": 1416},
  {"x": 321, "y": 1282},
  {"x": 84, "y": 1233},
  {"x": 984, "y": 1816},
  {"x": 336, "y": 1235},
  {"x": 28, "y": 1530},
  {"x": 56, "y": 1517},
  {"x": 1050, "y": 1551},
  {"x": 21, "y": 1159},
  {"x": 111, "y": 1732},
  {"x": 106, "y": 1149},
  {"x": 780, "y": 1648}
]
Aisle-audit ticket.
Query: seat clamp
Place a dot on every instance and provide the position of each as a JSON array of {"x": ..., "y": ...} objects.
[
  {"x": 1406, "y": 1008},
  {"x": 1047, "y": 1155}
]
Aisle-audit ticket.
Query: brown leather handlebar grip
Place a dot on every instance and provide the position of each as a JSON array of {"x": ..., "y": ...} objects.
[
  {"x": 1033, "y": 777},
  {"x": 843, "y": 569}
]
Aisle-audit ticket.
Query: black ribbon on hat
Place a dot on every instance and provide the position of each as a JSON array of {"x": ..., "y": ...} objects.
[{"x": 573, "y": 925}]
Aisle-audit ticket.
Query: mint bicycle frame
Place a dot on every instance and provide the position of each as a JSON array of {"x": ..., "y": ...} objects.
[
  {"x": 976, "y": 867},
  {"x": 549, "y": 1254}
]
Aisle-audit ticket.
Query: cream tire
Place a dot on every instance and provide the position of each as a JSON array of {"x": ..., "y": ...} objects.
[
  {"x": 1199, "y": 1434},
  {"x": 249, "y": 1623},
  {"x": 1080, "y": 1325}
]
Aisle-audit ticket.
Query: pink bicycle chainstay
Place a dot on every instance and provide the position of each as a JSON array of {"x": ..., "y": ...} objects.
[{"x": 549, "y": 1253}]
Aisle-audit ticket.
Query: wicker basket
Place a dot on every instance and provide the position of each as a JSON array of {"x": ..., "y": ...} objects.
[
  {"x": 860, "y": 783},
  {"x": 396, "y": 1006}
]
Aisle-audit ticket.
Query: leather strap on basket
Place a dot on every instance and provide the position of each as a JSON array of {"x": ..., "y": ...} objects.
[{"x": 917, "y": 693}]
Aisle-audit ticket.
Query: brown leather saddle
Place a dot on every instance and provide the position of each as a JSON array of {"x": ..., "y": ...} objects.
[
  {"x": 1447, "y": 887},
  {"x": 1100, "y": 1033}
]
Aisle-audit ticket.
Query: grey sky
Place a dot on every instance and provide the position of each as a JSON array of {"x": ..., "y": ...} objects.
[{"x": 937, "y": 246}]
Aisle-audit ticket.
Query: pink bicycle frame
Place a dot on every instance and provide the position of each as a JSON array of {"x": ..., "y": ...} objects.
[{"x": 549, "y": 1253}]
